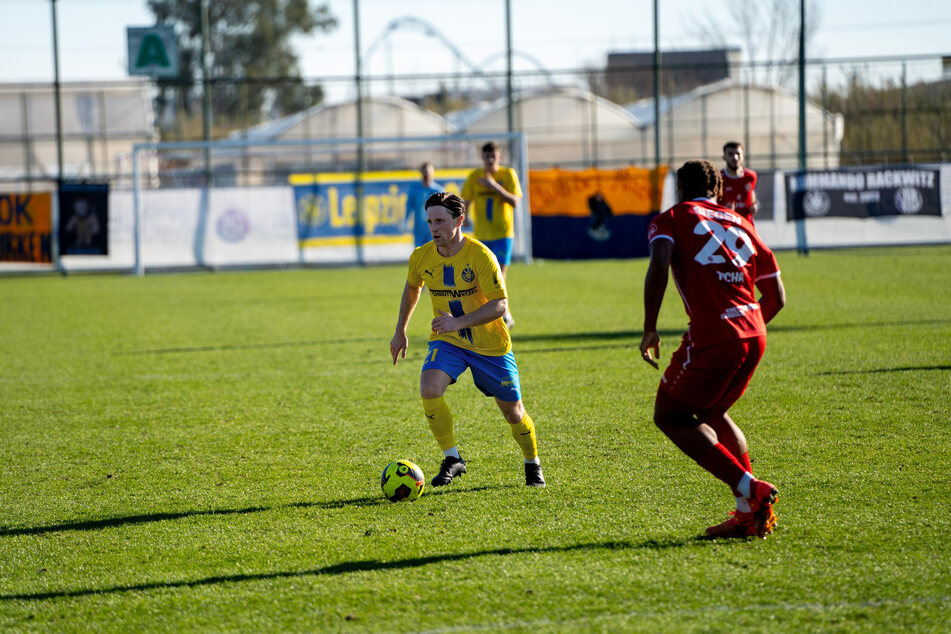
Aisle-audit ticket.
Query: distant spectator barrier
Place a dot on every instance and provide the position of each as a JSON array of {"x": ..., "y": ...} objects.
[{"x": 575, "y": 215}]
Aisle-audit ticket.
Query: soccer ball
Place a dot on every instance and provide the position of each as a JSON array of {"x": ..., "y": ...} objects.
[{"x": 402, "y": 480}]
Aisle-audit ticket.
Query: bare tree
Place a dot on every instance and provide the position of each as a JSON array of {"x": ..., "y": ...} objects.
[{"x": 769, "y": 34}]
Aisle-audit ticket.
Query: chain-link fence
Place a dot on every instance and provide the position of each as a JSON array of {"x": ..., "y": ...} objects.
[{"x": 858, "y": 112}]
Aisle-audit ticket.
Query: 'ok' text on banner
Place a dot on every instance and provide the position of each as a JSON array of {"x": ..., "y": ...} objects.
[{"x": 25, "y": 227}]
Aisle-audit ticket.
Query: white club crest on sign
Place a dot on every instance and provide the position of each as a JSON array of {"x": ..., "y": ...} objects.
[{"x": 153, "y": 50}]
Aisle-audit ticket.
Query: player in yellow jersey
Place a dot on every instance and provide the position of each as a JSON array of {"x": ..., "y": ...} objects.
[
  {"x": 469, "y": 299},
  {"x": 492, "y": 193}
]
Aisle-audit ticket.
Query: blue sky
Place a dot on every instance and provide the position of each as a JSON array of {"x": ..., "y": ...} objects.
[{"x": 572, "y": 34}]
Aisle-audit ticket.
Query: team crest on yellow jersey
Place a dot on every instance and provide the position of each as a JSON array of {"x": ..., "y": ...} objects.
[{"x": 468, "y": 274}]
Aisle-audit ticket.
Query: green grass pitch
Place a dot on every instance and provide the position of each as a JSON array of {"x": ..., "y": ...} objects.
[{"x": 203, "y": 452}]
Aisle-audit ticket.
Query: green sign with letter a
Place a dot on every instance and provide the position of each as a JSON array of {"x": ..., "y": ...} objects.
[{"x": 153, "y": 50}]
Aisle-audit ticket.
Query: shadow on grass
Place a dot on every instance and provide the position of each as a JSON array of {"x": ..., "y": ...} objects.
[
  {"x": 366, "y": 565},
  {"x": 111, "y": 522},
  {"x": 624, "y": 335},
  {"x": 274, "y": 345},
  {"x": 913, "y": 368},
  {"x": 870, "y": 324},
  {"x": 623, "y": 338}
]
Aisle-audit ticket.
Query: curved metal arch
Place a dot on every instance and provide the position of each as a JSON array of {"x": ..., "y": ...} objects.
[
  {"x": 430, "y": 31},
  {"x": 529, "y": 58}
]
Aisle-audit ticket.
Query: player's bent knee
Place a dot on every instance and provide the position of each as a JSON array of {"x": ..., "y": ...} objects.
[
  {"x": 670, "y": 415},
  {"x": 675, "y": 421},
  {"x": 429, "y": 391},
  {"x": 513, "y": 411},
  {"x": 433, "y": 383},
  {"x": 668, "y": 420}
]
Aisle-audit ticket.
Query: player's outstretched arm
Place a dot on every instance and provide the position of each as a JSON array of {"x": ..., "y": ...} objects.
[
  {"x": 774, "y": 296},
  {"x": 655, "y": 285},
  {"x": 399, "y": 342}
]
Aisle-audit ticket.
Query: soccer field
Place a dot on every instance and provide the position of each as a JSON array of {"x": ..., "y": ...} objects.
[{"x": 203, "y": 451}]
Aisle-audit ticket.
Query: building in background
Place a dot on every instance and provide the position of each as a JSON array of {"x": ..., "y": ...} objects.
[
  {"x": 565, "y": 127},
  {"x": 101, "y": 122},
  {"x": 630, "y": 76},
  {"x": 765, "y": 119},
  {"x": 383, "y": 117}
]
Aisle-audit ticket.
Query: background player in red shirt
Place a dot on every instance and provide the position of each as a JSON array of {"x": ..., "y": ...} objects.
[
  {"x": 739, "y": 182},
  {"x": 718, "y": 263}
]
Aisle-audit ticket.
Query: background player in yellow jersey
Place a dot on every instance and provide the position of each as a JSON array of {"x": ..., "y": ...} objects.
[
  {"x": 469, "y": 299},
  {"x": 492, "y": 193}
]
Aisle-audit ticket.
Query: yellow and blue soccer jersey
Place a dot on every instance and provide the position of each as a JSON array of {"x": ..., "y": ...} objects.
[
  {"x": 492, "y": 217},
  {"x": 459, "y": 285}
]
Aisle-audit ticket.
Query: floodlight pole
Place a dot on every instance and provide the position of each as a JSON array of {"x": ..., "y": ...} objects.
[
  {"x": 361, "y": 158},
  {"x": 57, "y": 99},
  {"x": 57, "y": 105},
  {"x": 802, "y": 246},
  {"x": 509, "y": 97},
  {"x": 655, "y": 179},
  {"x": 206, "y": 90}
]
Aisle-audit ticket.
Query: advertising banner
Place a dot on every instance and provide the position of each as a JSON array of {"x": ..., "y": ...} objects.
[
  {"x": 593, "y": 213},
  {"x": 84, "y": 219},
  {"x": 25, "y": 227},
  {"x": 905, "y": 190},
  {"x": 244, "y": 228},
  {"x": 328, "y": 214}
]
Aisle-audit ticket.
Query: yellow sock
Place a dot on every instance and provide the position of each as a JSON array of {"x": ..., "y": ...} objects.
[
  {"x": 524, "y": 434},
  {"x": 440, "y": 421}
]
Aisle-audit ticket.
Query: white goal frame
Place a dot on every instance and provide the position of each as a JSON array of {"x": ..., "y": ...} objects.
[{"x": 146, "y": 175}]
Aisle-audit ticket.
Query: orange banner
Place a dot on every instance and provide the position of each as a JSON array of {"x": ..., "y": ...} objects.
[
  {"x": 558, "y": 192},
  {"x": 25, "y": 223}
]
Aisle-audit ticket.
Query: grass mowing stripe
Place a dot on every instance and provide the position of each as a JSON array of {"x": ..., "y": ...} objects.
[
  {"x": 716, "y": 609},
  {"x": 335, "y": 569}
]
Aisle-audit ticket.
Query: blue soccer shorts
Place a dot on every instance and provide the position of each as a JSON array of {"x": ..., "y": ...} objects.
[
  {"x": 502, "y": 250},
  {"x": 494, "y": 376}
]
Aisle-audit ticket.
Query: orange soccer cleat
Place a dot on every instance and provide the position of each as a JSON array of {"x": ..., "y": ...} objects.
[
  {"x": 739, "y": 524},
  {"x": 763, "y": 496}
]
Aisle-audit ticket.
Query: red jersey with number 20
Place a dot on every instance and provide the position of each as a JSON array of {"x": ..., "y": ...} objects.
[{"x": 717, "y": 260}]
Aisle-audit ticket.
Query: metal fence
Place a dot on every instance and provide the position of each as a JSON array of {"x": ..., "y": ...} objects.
[{"x": 859, "y": 112}]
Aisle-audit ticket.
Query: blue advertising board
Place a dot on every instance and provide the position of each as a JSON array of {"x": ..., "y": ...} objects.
[{"x": 328, "y": 212}]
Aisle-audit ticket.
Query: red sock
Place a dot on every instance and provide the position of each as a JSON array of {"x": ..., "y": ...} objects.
[
  {"x": 722, "y": 464},
  {"x": 744, "y": 460}
]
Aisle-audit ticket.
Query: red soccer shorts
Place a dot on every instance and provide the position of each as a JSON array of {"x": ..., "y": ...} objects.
[{"x": 711, "y": 379}]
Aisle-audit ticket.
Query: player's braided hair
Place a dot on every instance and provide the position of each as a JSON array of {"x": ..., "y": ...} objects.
[
  {"x": 699, "y": 179},
  {"x": 452, "y": 203}
]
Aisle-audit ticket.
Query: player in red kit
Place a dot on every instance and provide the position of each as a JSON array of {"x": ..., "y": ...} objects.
[
  {"x": 739, "y": 182},
  {"x": 718, "y": 262}
]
